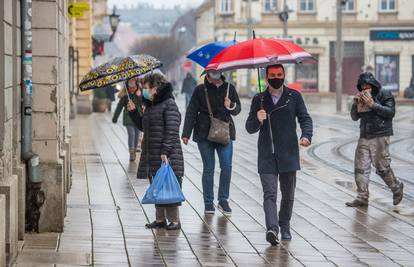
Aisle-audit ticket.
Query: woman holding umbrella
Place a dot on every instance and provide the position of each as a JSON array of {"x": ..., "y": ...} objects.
[
  {"x": 160, "y": 123},
  {"x": 132, "y": 92}
]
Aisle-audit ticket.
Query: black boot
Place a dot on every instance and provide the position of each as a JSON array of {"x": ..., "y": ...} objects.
[
  {"x": 357, "y": 203},
  {"x": 271, "y": 237},
  {"x": 156, "y": 225},
  {"x": 398, "y": 195},
  {"x": 285, "y": 233}
]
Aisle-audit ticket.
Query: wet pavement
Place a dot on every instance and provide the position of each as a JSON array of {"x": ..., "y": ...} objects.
[{"x": 105, "y": 220}]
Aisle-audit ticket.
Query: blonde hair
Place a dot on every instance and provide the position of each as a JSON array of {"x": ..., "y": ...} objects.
[{"x": 122, "y": 93}]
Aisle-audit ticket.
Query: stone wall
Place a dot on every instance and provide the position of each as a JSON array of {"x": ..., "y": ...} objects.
[
  {"x": 9, "y": 128},
  {"x": 51, "y": 106},
  {"x": 51, "y": 132}
]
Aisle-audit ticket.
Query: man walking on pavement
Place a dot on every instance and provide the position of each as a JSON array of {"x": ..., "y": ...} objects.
[
  {"x": 375, "y": 108},
  {"x": 273, "y": 114},
  {"x": 187, "y": 88}
]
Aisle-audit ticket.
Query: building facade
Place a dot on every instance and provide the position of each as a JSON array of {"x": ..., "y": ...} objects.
[
  {"x": 183, "y": 32},
  {"x": 378, "y": 35},
  {"x": 43, "y": 73}
]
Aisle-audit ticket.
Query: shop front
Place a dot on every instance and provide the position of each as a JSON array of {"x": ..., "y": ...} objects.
[{"x": 394, "y": 48}]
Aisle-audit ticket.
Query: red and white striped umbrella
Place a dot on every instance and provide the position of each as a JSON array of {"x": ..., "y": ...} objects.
[{"x": 258, "y": 53}]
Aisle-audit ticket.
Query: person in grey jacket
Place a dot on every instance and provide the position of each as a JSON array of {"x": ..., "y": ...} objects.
[
  {"x": 273, "y": 114},
  {"x": 375, "y": 108},
  {"x": 187, "y": 88}
]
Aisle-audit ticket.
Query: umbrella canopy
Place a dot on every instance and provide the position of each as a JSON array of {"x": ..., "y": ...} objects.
[
  {"x": 117, "y": 70},
  {"x": 258, "y": 53},
  {"x": 206, "y": 53}
]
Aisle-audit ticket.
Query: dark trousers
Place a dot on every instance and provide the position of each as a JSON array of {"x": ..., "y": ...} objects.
[{"x": 287, "y": 187}]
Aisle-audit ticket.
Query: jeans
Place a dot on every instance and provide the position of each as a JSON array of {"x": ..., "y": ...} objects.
[
  {"x": 225, "y": 155},
  {"x": 287, "y": 187},
  {"x": 187, "y": 99},
  {"x": 133, "y": 136}
]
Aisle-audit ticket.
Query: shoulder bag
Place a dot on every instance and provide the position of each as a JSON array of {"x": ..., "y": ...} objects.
[{"x": 219, "y": 130}]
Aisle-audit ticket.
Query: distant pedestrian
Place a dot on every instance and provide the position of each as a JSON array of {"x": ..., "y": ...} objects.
[
  {"x": 133, "y": 132},
  {"x": 110, "y": 95},
  {"x": 375, "y": 108},
  {"x": 187, "y": 88},
  {"x": 225, "y": 103},
  {"x": 409, "y": 91},
  {"x": 160, "y": 123},
  {"x": 273, "y": 114}
]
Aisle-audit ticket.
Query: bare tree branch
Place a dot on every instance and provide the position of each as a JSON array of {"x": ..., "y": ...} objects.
[{"x": 165, "y": 49}]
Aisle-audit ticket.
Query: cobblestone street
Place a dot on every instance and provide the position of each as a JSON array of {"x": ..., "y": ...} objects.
[{"x": 105, "y": 220}]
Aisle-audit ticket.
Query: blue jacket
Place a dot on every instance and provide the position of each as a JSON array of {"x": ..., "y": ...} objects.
[{"x": 278, "y": 145}]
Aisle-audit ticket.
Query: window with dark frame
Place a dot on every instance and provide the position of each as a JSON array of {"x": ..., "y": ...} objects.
[
  {"x": 307, "y": 5},
  {"x": 387, "y": 5},
  {"x": 306, "y": 75},
  {"x": 387, "y": 71},
  {"x": 226, "y": 7},
  {"x": 270, "y": 5},
  {"x": 349, "y": 6}
]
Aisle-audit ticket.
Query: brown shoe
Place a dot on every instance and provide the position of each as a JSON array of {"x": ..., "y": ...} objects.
[
  {"x": 398, "y": 196},
  {"x": 357, "y": 203}
]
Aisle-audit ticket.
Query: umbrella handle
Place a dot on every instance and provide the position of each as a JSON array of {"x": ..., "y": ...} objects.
[
  {"x": 127, "y": 93},
  {"x": 260, "y": 88}
]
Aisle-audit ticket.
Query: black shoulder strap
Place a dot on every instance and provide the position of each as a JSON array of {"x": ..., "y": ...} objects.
[{"x": 208, "y": 102}]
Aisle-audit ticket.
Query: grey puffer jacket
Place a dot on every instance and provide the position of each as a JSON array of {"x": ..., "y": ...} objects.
[{"x": 160, "y": 123}]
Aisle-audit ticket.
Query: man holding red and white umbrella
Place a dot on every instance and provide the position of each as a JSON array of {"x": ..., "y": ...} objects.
[{"x": 273, "y": 114}]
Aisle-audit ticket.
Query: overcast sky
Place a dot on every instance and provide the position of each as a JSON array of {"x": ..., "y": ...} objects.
[{"x": 156, "y": 3}]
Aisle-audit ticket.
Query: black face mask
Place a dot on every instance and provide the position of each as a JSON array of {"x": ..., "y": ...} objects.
[{"x": 276, "y": 83}]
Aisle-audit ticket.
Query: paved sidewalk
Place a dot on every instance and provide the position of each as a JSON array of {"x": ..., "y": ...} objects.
[{"x": 105, "y": 220}]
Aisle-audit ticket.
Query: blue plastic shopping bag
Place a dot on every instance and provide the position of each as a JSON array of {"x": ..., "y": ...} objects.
[{"x": 164, "y": 188}]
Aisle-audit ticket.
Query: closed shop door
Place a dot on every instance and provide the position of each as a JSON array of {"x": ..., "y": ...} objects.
[{"x": 352, "y": 64}]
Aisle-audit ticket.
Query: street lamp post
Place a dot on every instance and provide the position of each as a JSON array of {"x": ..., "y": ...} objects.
[
  {"x": 284, "y": 16},
  {"x": 339, "y": 53},
  {"x": 113, "y": 21},
  {"x": 249, "y": 37}
]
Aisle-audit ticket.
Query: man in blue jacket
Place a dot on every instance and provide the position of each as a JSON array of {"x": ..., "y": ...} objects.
[{"x": 273, "y": 114}]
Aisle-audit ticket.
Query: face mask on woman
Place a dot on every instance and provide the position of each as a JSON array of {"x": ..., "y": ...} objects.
[
  {"x": 214, "y": 75},
  {"x": 146, "y": 94}
]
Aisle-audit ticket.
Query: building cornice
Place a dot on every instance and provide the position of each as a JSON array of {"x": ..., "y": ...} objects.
[
  {"x": 203, "y": 8},
  {"x": 320, "y": 25}
]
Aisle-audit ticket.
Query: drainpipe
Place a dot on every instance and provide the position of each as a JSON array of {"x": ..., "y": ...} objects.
[{"x": 35, "y": 197}]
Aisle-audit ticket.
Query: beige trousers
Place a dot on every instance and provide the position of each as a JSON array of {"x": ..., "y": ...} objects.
[{"x": 373, "y": 152}]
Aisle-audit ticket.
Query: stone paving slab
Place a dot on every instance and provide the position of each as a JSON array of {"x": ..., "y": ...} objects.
[{"x": 105, "y": 220}]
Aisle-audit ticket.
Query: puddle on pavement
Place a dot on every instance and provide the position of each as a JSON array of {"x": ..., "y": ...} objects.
[
  {"x": 404, "y": 211},
  {"x": 347, "y": 184}
]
